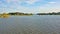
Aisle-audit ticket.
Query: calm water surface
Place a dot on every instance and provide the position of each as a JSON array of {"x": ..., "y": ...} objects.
[{"x": 45, "y": 24}]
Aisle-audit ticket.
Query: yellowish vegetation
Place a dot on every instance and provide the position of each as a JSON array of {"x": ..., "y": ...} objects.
[{"x": 4, "y": 15}]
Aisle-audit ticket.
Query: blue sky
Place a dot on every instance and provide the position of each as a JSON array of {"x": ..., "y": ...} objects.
[{"x": 30, "y": 6}]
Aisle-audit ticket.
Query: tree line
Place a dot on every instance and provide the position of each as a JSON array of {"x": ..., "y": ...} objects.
[{"x": 53, "y": 13}]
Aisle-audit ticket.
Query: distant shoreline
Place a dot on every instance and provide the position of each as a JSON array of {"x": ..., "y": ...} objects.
[
  {"x": 28, "y": 14},
  {"x": 53, "y": 13}
]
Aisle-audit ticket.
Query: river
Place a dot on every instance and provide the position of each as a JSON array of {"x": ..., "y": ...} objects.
[{"x": 44, "y": 24}]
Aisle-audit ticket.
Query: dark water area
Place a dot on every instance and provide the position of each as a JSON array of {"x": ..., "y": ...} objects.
[{"x": 44, "y": 24}]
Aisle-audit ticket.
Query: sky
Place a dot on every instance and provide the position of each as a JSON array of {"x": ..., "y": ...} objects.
[{"x": 30, "y": 6}]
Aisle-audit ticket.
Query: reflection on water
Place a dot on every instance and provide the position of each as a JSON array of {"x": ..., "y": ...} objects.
[{"x": 30, "y": 25}]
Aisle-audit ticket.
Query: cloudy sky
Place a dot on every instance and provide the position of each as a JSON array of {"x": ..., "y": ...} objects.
[{"x": 29, "y": 6}]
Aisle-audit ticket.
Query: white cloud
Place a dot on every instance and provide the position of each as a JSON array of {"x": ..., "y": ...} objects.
[
  {"x": 43, "y": 8},
  {"x": 8, "y": 1},
  {"x": 31, "y": 1},
  {"x": 26, "y": 1},
  {"x": 52, "y": 2}
]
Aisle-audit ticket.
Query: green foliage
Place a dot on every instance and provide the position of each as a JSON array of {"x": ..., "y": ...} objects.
[
  {"x": 53, "y": 13},
  {"x": 17, "y": 13}
]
